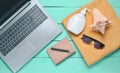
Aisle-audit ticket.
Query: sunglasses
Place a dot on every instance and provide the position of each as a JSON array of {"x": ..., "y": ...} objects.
[{"x": 86, "y": 39}]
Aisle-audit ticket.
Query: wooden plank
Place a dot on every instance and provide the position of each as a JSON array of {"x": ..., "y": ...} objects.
[
  {"x": 114, "y": 3},
  {"x": 117, "y": 10},
  {"x": 63, "y": 34},
  {"x": 64, "y": 2},
  {"x": 4, "y": 68},
  {"x": 71, "y": 65},
  {"x": 108, "y": 65},
  {"x": 59, "y": 13},
  {"x": 74, "y": 3}
]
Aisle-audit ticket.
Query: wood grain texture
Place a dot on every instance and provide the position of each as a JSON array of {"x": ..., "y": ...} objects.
[
  {"x": 41, "y": 63},
  {"x": 71, "y": 65},
  {"x": 73, "y": 3},
  {"x": 58, "y": 13}
]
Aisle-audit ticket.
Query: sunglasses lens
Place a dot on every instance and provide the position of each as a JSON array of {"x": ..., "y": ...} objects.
[
  {"x": 98, "y": 45},
  {"x": 86, "y": 40}
]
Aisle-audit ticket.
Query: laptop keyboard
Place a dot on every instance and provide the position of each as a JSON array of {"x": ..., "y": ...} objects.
[{"x": 21, "y": 29}]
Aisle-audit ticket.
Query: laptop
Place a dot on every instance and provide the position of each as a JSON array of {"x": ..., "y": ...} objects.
[{"x": 25, "y": 29}]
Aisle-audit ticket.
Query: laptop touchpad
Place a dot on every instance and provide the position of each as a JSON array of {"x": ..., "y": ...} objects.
[
  {"x": 21, "y": 55},
  {"x": 28, "y": 49}
]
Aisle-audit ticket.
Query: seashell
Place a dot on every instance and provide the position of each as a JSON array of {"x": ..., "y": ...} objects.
[{"x": 100, "y": 21}]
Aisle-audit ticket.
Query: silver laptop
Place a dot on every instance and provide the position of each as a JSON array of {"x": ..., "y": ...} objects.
[{"x": 25, "y": 28}]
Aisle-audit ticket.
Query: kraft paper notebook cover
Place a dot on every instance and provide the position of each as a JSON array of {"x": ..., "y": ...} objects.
[
  {"x": 59, "y": 56},
  {"x": 110, "y": 39}
]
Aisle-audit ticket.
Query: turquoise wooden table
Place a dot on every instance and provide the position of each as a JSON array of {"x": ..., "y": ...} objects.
[{"x": 41, "y": 63}]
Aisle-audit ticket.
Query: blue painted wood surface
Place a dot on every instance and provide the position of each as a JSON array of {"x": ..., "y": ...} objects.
[{"x": 41, "y": 63}]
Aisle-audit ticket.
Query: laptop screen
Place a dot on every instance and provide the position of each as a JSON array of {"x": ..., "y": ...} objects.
[{"x": 9, "y": 7}]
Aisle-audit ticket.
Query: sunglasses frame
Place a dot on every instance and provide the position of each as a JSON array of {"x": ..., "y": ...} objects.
[{"x": 102, "y": 45}]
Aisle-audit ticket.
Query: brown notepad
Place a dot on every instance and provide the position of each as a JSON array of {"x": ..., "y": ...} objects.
[
  {"x": 110, "y": 39},
  {"x": 60, "y": 51}
]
